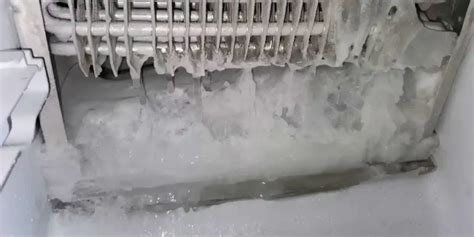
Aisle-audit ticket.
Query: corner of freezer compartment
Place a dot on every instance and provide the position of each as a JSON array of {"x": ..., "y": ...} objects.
[
  {"x": 23, "y": 91},
  {"x": 24, "y": 88}
]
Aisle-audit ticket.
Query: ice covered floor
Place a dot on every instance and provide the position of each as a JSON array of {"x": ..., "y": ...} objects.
[
  {"x": 263, "y": 123},
  {"x": 366, "y": 121},
  {"x": 416, "y": 206}
]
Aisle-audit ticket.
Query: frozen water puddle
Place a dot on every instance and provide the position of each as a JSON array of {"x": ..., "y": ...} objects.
[{"x": 265, "y": 133}]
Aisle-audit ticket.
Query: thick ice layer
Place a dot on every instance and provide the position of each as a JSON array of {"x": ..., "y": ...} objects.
[{"x": 250, "y": 124}]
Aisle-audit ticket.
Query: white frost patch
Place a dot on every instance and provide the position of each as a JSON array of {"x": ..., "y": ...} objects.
[
  {"x": 61, "y": 169},
  {"x": 262, "y": 123}
]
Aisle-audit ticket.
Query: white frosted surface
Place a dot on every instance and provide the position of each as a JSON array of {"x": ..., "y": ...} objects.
[
  {"x": 390, "y": 208},
  {"x": 9, "y": 39},
  {"x": 266, "y": 123},
  {"x": 24, "y": 208},
  {"x": 437, "y": 205}
]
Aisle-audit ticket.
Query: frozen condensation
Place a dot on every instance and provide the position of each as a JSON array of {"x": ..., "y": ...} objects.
[{"x": 263, "y": 123}]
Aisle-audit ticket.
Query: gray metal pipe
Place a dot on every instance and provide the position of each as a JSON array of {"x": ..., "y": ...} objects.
[
  {"x": 145, "y": 49},
  {"x": 163, "y": 3},
  {"x": 137, "y": 29},
  {"x": 68, "y": 49},
  {"x": 145, "y": 29},
  {"x": 57, "y": 11}
]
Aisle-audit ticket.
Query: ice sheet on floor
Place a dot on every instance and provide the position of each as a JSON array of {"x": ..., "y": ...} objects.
[{"x": 265, "y": 123}]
